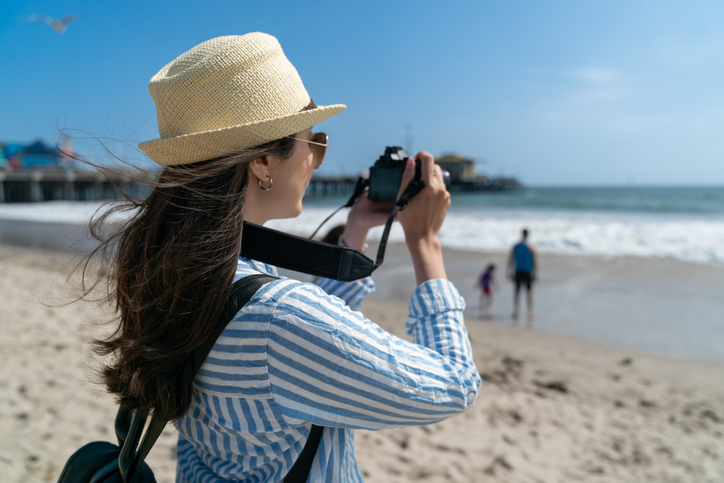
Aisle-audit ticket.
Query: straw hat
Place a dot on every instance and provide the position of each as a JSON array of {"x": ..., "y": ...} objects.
[{"x": 228, "y": 94}]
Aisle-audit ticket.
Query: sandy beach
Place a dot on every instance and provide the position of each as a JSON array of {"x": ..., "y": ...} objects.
[{"x": 553, "y": 408}]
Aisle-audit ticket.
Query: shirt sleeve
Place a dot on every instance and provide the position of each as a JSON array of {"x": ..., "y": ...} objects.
[
  {"x": 353, "y": 293},
  {"x": 331, "y": 366}
]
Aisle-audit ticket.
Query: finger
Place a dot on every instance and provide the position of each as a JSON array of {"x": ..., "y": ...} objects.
[
  {"x": 436, "y": 178},
  {"x": 428, "y": 164},
  {"x": 407, "y": 176},
  {"x": 431, "y": 172}
]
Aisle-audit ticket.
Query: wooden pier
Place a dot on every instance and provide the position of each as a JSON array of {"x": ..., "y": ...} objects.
[
  {"x": 331, "y": 186},
  {"x": 345, "y": 185},
  {"x": 491, "y": 185},
  {"x": 53, "y": 185}
]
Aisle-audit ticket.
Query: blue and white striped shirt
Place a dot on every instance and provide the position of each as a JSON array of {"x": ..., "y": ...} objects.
[{"x": 298, "y": 354}]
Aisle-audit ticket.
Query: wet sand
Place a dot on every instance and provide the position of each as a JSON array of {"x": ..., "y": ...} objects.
[
  {"x": 552, "y": 408},
  {"x": 45, "y": 237},
  {"x": 655, "y": 305}
]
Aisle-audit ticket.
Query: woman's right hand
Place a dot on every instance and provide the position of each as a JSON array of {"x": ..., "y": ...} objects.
[{"x": 423, "y": 218}]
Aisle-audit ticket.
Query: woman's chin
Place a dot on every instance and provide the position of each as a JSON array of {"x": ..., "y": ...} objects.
[
  {"x": 292, "y": 213},
  {"x": 298, "y": 211}
]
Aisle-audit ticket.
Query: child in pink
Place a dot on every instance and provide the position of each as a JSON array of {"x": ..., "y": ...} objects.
[{"x": 486, "y": 284}]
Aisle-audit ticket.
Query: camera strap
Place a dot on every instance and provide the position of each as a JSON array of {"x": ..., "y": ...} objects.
[
  {"x": 413, "y": 188},
  {"x": 322, "y": 259},
  {"x": 303, "y": 255},
  {"x": 359, "y": 187}
]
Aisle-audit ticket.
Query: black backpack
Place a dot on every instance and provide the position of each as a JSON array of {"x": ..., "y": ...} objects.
[{"x": 104, "y": 462}]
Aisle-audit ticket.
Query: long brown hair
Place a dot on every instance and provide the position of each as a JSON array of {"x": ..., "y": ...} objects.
[{"x": 169, "y": 270}]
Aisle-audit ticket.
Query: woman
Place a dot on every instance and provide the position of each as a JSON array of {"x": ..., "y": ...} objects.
[{"x": 236, "y": 144}]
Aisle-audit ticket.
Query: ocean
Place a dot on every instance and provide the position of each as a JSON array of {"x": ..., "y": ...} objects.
[{"x": 681, "y": 223}]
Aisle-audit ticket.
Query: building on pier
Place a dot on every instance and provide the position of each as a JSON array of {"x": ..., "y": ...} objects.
[
  {"x": 37, "y": 171},
  {"x": 464, "y": 176},
  {"x": 461, "y": 169},
  {"x": 34, "y": 155}
]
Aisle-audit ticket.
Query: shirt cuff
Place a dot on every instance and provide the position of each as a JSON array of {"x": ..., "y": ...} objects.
[{"x": 353, "y": 293}]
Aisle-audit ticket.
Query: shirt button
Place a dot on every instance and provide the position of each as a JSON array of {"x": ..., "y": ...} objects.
[{"x": 471, "y": 397}]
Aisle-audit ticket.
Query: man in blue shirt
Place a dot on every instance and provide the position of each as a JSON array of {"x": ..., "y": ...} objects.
[{"x": 522, "y": 269}]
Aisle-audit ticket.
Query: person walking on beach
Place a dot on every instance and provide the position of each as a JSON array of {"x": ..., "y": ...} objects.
[
  {"x": 522, "y": 270},
  {"x": 236, "y": 145},
  {"x": 486, "y": 284}
]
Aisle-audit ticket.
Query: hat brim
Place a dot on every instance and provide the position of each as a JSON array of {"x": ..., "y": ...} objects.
[{"x": 191, "y": 148}]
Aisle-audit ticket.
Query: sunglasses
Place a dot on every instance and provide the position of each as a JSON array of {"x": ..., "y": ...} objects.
[{"x": 318, "y": 145}]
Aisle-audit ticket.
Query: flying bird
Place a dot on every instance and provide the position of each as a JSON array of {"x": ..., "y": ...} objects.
[{"x": 57, "y": 25}]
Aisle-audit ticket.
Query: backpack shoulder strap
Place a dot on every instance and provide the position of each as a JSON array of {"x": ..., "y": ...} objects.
[
  {"x": 241, "y": 293},
  {"x": 243, "y": 290},
  {"x": 300, "y": 471}
]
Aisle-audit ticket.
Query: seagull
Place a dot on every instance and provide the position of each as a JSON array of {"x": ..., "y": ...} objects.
[{"x": 57, "y": 25}]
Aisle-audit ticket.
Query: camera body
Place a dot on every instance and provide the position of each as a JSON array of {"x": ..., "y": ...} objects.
[{"x": 386, "y": 174}]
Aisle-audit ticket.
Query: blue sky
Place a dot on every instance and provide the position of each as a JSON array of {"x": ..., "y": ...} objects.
[{"x": 557, "y": 93}]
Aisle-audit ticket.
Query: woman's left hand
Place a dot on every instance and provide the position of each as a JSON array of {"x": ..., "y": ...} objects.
[{"x": 365, "y": 214}]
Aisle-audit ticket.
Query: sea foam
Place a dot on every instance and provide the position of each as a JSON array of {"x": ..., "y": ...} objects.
[{"x": 695, "y": 240}]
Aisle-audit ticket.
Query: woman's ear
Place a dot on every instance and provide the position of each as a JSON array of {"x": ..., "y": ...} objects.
[{"x": 259, "y": 168}]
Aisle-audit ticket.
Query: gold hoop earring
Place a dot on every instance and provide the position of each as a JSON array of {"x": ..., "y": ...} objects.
[{"x": 270, "y": 184}]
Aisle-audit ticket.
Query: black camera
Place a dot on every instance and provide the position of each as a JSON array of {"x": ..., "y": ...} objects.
[{"x": 386, "y": 174}]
